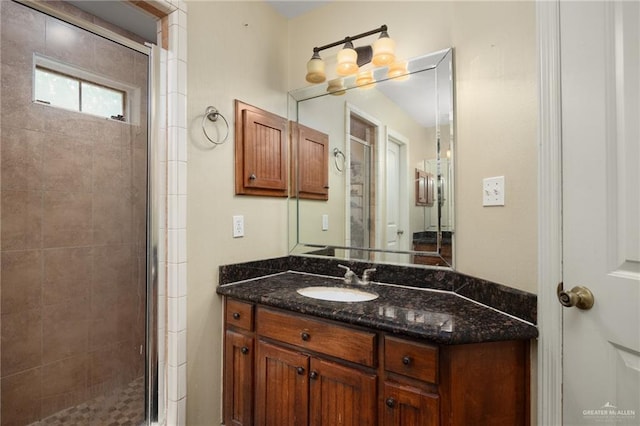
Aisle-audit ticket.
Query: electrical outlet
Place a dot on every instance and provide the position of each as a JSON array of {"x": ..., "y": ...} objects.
[
  {"x": 238, "y": 226},
  {"x": 325, "y": 222},
  {"x": 493, "y": 191}
]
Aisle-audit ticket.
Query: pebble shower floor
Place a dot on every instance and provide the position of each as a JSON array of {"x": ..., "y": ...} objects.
[{"x": 123, "y": 407}]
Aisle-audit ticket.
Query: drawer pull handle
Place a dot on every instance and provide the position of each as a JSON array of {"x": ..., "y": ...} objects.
[
  {"x": 305, "y": 336},
  {"x": 391, "y": 403},
  {"x": 236, "y": 315},
  {"x": 313, "y": 375},
  {"x": 244, "y": 350},
  {"x": 406, "y": 360},
  {"x": 300, "y": 370}
]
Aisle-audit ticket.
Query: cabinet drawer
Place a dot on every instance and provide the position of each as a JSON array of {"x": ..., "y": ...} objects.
[
  {"x": 412, "y": 359},
  {"x": 318, "y": 336},
  {"x": 239, "y": 314}
]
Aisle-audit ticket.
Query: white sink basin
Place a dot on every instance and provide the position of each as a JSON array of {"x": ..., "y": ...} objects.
[{"x": 337, "y": 294}]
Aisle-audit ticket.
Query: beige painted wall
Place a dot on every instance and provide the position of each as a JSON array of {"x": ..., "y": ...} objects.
[
  {"x": 236, "y": 50},
  {"x": 496, "y": 111},
  {"x": 244, "y": 50}
]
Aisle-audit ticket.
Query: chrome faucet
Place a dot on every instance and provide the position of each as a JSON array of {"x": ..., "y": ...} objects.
[
  {"x": 349, "y": 275},
  {"x": 366, "y": 276}
]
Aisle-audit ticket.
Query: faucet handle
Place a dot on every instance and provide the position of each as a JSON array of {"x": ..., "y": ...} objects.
[
  {"x": 366, "y": 275},
  {"x": 348, "y": 276}
]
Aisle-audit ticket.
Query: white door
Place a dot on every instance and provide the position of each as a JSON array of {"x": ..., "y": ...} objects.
[
  {"x": 397, "y": 235},
  {"x": 394, "y": 232},
  {"x": 600, "y": 62}
]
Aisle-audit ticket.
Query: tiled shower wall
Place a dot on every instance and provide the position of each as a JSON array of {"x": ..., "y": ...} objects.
[{"x": 72, "y": 238}]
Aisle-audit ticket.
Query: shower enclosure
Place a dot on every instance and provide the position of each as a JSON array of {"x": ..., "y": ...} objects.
[{"x": 74, "y": 225}]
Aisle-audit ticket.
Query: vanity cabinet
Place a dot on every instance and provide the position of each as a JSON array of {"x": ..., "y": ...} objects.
[
  {"x": 296, "y": 388},
  {"x": 239, "y": 363},
  {"x": 304, "y": 376},
  {"x": 409, "y": 406},
  {"x": 311, "y": 371}
]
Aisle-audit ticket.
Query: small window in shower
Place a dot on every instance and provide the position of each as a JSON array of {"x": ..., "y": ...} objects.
[
  {"x": 64, "y": 86},
  {"x": 64, "y": 91}
]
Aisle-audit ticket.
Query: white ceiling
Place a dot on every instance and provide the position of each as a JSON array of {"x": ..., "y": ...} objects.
[{"x": 292, "y": 9}]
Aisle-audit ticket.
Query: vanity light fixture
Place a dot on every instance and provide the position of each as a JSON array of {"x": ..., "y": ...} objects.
[
  {"x": 336, "y": 87},
  {"x": 384, "y": 50},
  {"x": 350, "y": 59},
  {"x": 315, "y": 69},
  {"x": 347, "y": 59},
  {"x": 398, "y": 70},
  {"x": 365, "y": 80}
]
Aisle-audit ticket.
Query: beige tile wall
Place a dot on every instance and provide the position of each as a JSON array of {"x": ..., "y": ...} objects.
[{"x": 72, "y": 228}]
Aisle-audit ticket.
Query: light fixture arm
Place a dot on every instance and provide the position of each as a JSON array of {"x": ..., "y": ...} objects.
[{"x": 382, "y": 28}]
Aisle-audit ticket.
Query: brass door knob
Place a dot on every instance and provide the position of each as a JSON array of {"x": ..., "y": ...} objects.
[{"x": 579, "y": 296}]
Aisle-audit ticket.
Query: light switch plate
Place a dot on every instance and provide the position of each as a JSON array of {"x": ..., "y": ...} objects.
[
  {"x": 493, "y": 191},
  {"x": 325, "y": 222}
]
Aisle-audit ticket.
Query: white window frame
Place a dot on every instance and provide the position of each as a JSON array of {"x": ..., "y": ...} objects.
[{"x": 132, "y": 94}]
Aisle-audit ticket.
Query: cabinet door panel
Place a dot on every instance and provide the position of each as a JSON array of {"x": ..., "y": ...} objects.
[
  {"x": 312, "y": 149},
  {"x": 341, "y": 395},
  {"x": 260, "y": 152},
  {"x": 238, "y": 379},
  {"x": 406, "y": 406},
  {"x": 282, "y": 397}
]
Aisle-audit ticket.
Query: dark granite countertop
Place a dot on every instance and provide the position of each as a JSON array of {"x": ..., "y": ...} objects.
[{"x": 440, "y": 316}]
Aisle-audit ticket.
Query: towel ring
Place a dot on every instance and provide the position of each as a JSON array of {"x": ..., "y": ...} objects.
[
  {"x": 212, "y": 114},
  {"x": 336, "y": 153}
]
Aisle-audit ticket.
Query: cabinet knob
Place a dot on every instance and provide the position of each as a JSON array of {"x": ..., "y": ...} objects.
[
  {"x": 313, "y": 375},
  {"x": 406, "y": 360},
  {"x": 252, "y": 176},
  {"x": 244, "y": 350},
  {"x": 236, "y": 315},
  {"x": 300, "y": 370},
  {"x": 305, "y": 336},
  {"x": 391, "y": 403}
]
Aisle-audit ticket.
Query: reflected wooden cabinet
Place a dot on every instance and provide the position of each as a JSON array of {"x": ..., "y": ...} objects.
[
  {"x": 260, "y": 152},
  {"x": 310, "y": 171},
  {"x": 309, "y": 371}
]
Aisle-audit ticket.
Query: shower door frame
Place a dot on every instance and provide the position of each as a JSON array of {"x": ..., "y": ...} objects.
[{"x": 153, "y": 194}]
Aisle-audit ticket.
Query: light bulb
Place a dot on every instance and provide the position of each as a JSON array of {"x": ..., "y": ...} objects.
[
  {"x": 315, "y": 69},
  {"x": 336, "y": 87},
  {"x": 398, "y": 71},
  {"x": 383, "y": 50},
  {"x": 347, "y": 60},
  {"x": 365, "y": 80}
]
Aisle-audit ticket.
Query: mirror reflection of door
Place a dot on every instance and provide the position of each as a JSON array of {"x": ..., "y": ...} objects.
[
  {"x": 396, "y": 213},
  {"x": 362, "y": 187}
]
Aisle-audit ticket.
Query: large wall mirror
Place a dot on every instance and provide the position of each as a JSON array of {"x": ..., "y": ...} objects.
[{"x": 390, "y": 166}]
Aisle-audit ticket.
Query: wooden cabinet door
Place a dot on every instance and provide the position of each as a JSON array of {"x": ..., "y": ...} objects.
[
  {"x": 341, "y": 396},
  {"x": 282, "y": 394},
  {"x": 261, "y": 152},
  {"x": 311, "y": 177},
  {"x": 407, "y": 406},
  {"x": 238, "y": 379}
]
